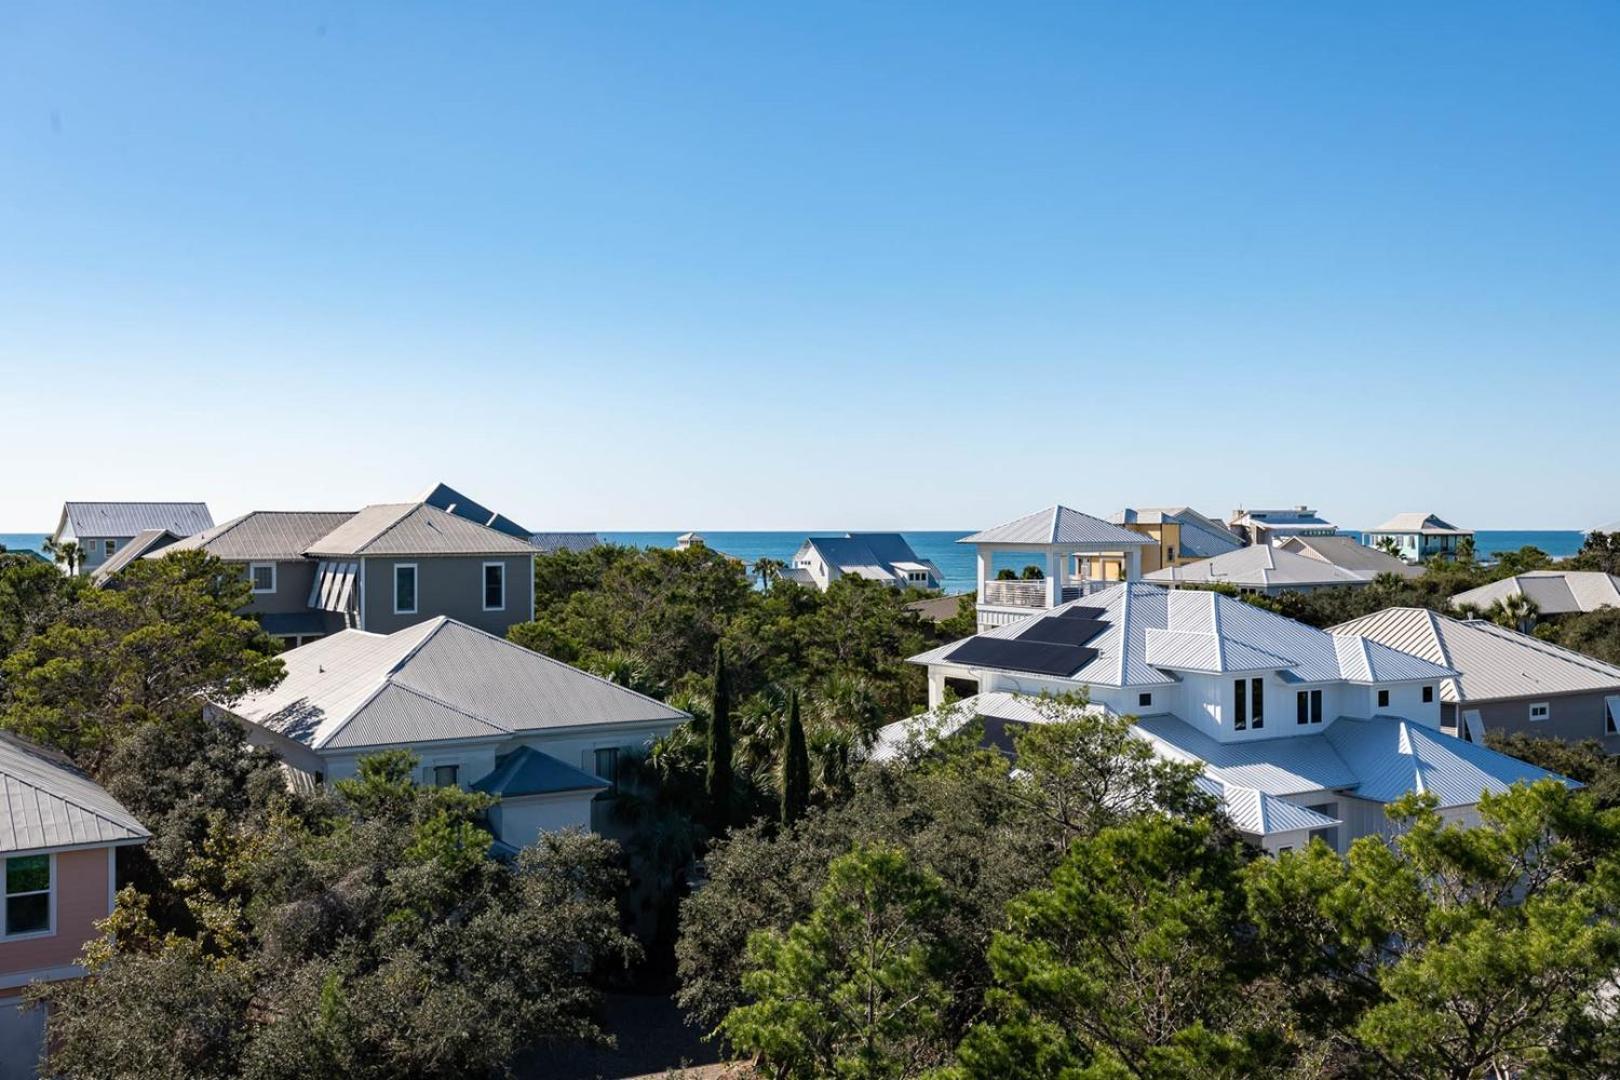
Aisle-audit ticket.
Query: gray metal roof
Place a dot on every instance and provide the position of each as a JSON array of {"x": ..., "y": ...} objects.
[
  {"x": 45, "y": 802},
  {"x": 1348, "y": 553},
  {"x": 527, "y": 771},
  {"x": 565, "y": 541},
  {"x": 1259, "y": 566},
  {"x": 1201, "y": 536},
  {"x": 393, "y": 529},
  {"x": 1492, "y": 662},
  {"x": 1555, "y": 592},
  {"x": 1251, "y": 634},
  {"x": 1260, "y": 814},
  {"x": 1419, "y": 522},
  {"x": 448, "y": 499},
  {"x": 437, "y": 680},
  {"x": 1058, "y": 525},
  {"x": 266, "y": 535},
  {"x": 144, "y": 542},
  {"x": 118, "y": 519}
]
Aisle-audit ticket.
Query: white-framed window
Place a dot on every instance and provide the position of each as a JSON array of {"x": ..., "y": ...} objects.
[
  {"x": 109, "y": 546},
  {"x": 1540, "y": 710},
  {"x": 494, "y": 586},
  {"x": 30, "y": 896},
  {"x": 405, "y": 589},
  {"x": 263, "y": 576},
  {"x": 446, "y": 775}
]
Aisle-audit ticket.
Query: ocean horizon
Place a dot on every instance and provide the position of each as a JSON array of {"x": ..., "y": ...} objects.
[{"x": 955, "y": 561}]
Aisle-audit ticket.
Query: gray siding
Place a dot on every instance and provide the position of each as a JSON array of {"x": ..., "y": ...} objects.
[
  {"x": 1571, "y": 717},
  {"x": 451, "y": 586},
  {"x": 293, "y": 582}
]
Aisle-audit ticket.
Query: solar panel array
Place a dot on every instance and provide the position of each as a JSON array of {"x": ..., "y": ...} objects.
[{"x": 1054, "y": 645}]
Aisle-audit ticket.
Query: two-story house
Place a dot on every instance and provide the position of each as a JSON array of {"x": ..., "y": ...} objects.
[
  {"x": 1417, "y": 537},
  {"x": 881, "y": 557},
  {"x": 382, "y": 568},
  {"x": 478, "y": 711},
  {"x": 103, "y": 529},
  {"x": 59, "y": 838},
  {"x": 1274, "y": 526},
  {"x": 1303, "y": 733}
]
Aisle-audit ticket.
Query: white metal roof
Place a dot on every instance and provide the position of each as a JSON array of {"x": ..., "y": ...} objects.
[
  {"x": 45, "y": 802},
  {"x": 116, "y": 519},
  {"x": 1058, "y": 525},
  {"x": 1259, "y": 566},
  {"x": 1492, "y": 662},
  {"x": 1555, "y": 592},
  {"x": 1348, "y": 553},
  {"x": 1417, "y": 521},
  {"x": 437, "y": 680}
]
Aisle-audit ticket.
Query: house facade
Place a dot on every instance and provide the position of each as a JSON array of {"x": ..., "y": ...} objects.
[
  {"x": 102, "y": 529},
  {"x": 1180, "y": 535},
  {"x": 1417, "y": 537},
  {"x": 478, "y": 711},
  {"x": 882, "y": 557},
  {"x": 1505, "y": 681},
  {"x": 59, "y": 838},
  {"x": 1348, "y": 553},
  {"x": 1273, "y": 526},
  {"x": 1301, "y": 732}
]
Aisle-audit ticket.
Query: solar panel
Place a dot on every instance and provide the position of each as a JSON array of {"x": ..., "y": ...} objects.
[
  {"x": 1014, "y": 654},
  {"x": 1060, "y": 631},
  {"x": 1082, "y": 613}
]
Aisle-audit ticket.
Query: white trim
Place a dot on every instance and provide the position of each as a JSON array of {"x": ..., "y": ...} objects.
[
  {"x": 124, "y": 842},
  {"x": 50, "y": 903},
  {"x": 1546, "y": 711},
  {"x": 61, "y": 972},
  {"x": 483, "y": 586},
  {"x": 416, "y": 589},
  {"x": 253, "y": 583},
  {"x": 1611, "y": 714}
]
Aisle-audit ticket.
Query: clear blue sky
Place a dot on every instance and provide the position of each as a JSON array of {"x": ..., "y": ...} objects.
[{"x": 626, "y": 266}]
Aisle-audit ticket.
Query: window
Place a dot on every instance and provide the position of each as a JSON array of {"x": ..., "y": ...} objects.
[
  {"x": 405, "y": 589},
  {"x": 28, "y": 895},
  {"x": 607, "y": 764},
  {"x": 1302, "y": 707},
  {"x": 494, "y": 586},
  {"x": 1611, "y": 722},
  {"x": 1170, "y": 554},
  {"x": 109, "y": 546},
  {"x": 1257, "y": 703},
  {"x": 1383, "y": 699},
  {"x": 1428, "y": 695},
  {"x": 1144, "y": 700},
  {"x": 263, "y": 576},
  {"x": 1540, "y": 710},
  {"x": 446, "y": 775},
  {"x": 1316, "y": 706},
  {"x": 1240, "y": 705}
]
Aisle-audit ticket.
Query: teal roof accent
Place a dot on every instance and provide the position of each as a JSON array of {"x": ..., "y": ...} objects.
[{"x": 527, "y": 771}]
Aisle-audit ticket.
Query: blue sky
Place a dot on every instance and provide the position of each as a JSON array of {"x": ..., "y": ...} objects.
[{"x": 625, "y": 266}]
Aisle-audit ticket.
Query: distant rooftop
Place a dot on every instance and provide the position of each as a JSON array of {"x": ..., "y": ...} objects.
[
  {"x": 1057, "y": 526},
  {"x": 117, "y": 519},
  {"x": 1418, "y": 522}
]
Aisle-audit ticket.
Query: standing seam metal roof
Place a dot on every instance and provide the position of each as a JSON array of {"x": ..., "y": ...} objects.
[
  {"x": 115, "y": 519},
  {"x": 389, "y": 529},
  {"x": 1058, "y": 525},
  {"x": 48, "y": 803},
  {"x": 266, "y": 535}
]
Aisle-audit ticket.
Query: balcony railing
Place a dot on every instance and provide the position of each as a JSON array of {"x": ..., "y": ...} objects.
[{"x": 1024, "y": 594}]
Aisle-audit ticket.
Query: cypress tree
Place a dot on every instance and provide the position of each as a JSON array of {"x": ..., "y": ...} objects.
[
  {"x": 795, "y": 767},
  {"x": 719, "y": 756}
]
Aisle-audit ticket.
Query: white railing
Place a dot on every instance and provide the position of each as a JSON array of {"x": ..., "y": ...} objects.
[{"x": 1021, "y": 593}]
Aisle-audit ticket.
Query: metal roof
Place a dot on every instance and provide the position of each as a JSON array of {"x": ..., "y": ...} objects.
[
  {"x": 1259, "y": 566},
  {"x": 145, "y": 541},
  {"x": 1348, "y": 553},
  {"x": 437, "y": 680},
  {"x": 1058, "y": 525},
  {"x": 1260, "y": 814},
  {"x": 1201, "y": 536},
  {"x": 117, "y": 519},
  {"x": 565, "y": 541},
  {"x": 875, "y": 556},
  {"x": 1251, "y": 634},
  {"x": 45, "y": 802},
  {"x": 1491, "y": 662},
  {"x": 527, "y": 771},
  {"x": 266, "y": 535},
  {"x": 448, "y": 499},
  {"x": 391, "y": 529},
  {"x": 1555, "y": 592},
  {"x": 1418, "y": 522}
]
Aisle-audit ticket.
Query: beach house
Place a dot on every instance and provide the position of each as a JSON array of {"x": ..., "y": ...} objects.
[
  {"x": 59, "y": 838},
  {"x": 1348, "y": 553},
  {"x": 478, "y": 712},
  {"x": 1302, "y": 732},
  {"x": 1273, "y": 526},
  {"x": 1553, "y": 592},
  {"x": 1180, "y": 535},
  {"x": 1417, "y": 537},
  {"x": 1262, "y": 568},
  {"x": 882, "y": 557},
  {"x": 102, "y": 529}
]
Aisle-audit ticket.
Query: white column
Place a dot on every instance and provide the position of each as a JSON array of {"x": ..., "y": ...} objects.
[
  {"x": 984, "y": 570},
  {"x": 1133, "y": 563},
  {"x": 1054, "y": 577}
]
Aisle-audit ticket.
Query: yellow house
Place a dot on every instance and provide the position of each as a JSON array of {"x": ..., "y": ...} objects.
[{"x": 1180, "y": 535}]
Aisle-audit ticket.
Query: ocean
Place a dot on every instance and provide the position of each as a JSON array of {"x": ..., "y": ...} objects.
[{"x": 954, "y": 560}]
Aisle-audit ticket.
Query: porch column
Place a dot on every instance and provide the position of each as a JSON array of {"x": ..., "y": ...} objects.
[
  {"x": 1054, "y": 577},
  {"x": 984, "y": 570},
  {"x": 1133, "y": 563}
]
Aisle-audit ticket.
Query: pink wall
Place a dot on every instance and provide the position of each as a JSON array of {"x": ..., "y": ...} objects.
[{"x": 81, "y": 899}]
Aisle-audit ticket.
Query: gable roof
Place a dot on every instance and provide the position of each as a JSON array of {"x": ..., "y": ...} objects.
[
  {"x": 1259, "y": 566},
  {"x": 875, "y": 556},
  {"x": 434, "y": 681},
  {"x": 1057, "y": 525},
  {"x": 527, "y": 771},
  {"x": 266, "y": 535},
  {"x": 117, "y": 519},
  {"x": 1348, "y": 553},
  {"x": 1201, "y": 536},
  {"x": 1243, "y": 634},
  {"x": 143, "y": 542},
  {"x": 1556, "y": 592},
  {"x": 1491, "y": 662},
  {"x": 1418, "y": 522},
  {"x": 388, "y": 529},
  {"x": 45, "y": 802}
]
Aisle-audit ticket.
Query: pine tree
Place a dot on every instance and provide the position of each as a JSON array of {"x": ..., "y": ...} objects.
[
  {"x": 795, "y": 767},
  {"x": 719, "y": 755}
]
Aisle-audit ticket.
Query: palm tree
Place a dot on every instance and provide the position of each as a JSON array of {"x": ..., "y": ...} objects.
[
  {"x": 1388, "y": 546},
  {"x": 67, "y": 552},
  {"x": 758, "y": 729},
  {"x": 1515, "y": 611},
  {"x": 767, "y": 570},
  {"x": 848, "y": 704}
]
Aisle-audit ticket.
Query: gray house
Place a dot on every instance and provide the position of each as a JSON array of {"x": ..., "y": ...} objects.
[
  {"x": 102, "y": 529},
  {"x": 379, "y": 569},
  {"x": 1505, "y": 681}
]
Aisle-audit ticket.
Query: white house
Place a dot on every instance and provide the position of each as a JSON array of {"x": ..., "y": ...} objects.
[
  {"x": 883, "y": 557},
  {"x": 1302, "y": 732},
  {"x": 1418, "y": 537},
  {"x": 480, "y": 712},
  {"x": 1272, "y": 526}
]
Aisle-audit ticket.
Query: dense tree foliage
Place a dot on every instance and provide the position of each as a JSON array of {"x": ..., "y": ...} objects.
[{"x": 33, "y": 595}]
